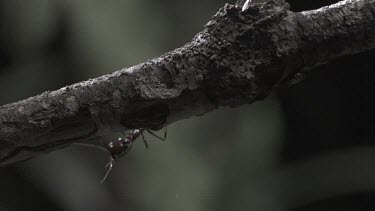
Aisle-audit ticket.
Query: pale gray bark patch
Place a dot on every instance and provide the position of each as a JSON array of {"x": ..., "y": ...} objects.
[{"x": 238, "y": 58}]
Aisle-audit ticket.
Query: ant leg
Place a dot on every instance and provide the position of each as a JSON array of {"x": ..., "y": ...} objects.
[
  {"x": 144, "y": 140},
  {"x": 165, "y": 132},
  {"x": 109, "y": 165},
  {"x": 149, "y": 131}
]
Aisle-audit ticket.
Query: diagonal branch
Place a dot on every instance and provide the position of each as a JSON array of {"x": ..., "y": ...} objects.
[{"x": 238, "y": 58}]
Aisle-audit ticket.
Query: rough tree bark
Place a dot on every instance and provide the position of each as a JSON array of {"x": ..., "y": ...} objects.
[{"x": 238, "y": 58}]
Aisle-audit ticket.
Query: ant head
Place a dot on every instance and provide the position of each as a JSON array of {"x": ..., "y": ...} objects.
[{"x": 119, "y": 148}]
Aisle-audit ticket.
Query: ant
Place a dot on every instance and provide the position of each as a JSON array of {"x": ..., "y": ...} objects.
[{"x": 122, "y": 146}]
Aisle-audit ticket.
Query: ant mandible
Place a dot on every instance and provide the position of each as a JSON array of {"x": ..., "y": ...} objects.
[{"x": 122, "y": 146}]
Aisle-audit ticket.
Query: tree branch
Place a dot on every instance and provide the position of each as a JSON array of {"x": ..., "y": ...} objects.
[{"x": 238, "y": 58}]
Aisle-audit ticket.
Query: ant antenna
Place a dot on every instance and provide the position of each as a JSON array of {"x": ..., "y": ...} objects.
[
  {"x": 109, "y": 165},
  {"x": 92, "y": 146}
]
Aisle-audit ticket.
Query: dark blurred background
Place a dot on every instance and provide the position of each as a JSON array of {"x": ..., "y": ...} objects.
[{"x": 308, "y": 147}]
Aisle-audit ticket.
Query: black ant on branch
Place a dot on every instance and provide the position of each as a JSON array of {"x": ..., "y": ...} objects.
[{"x": 122, "y": 146}]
